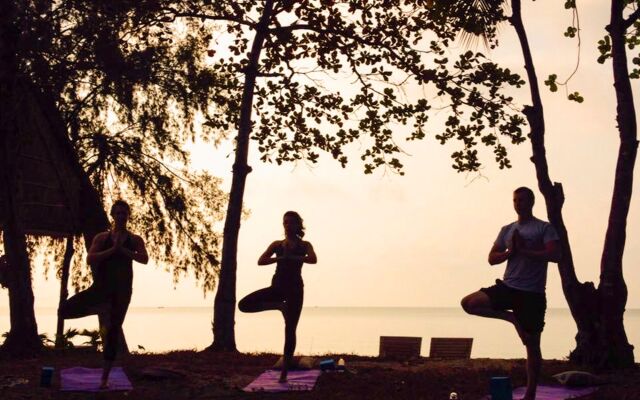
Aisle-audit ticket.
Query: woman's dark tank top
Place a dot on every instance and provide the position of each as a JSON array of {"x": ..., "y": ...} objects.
[
  {"x": 289, "y": 272},
  {"x": 117, "y": 270}
]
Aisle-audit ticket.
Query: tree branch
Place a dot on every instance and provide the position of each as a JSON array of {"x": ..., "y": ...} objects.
[
  {"x": 223, "y": 17},
  {"x": 631, "y": 19}
]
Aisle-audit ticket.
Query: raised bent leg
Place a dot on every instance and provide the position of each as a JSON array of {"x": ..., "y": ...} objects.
[
  {"x": 88, "y": 302},
  {"x": 478, "y": 303},
  {"x": 261, "y": 300}
]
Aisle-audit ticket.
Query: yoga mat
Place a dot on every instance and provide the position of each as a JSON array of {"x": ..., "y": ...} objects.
[
  {"x": 296, "y": 381},
  {"x": 551, "y": 392},
  {"x": 554, "y": 392},
  {"x": 88, "y": 380}
]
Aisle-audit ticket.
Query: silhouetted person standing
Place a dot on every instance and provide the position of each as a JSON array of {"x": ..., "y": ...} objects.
[
  {"x": 286, "y": 292},
  {"x": 4, "y": 271},
  {"x": 527, "y": 245},
  {"x": 112, "y": 254}
]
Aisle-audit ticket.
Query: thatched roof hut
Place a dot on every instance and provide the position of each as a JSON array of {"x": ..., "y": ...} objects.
[{"x": 49, "y": 187}]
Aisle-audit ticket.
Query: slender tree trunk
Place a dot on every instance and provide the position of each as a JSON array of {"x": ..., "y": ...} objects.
[
  {"x": 64, "y": 293},
  {"x": 225, "y": 301},
  {"x": 612, "y": 289},
  {"x": 23, "y": 336},
  {"x": 585, "y": 303},
  {"x": 580, "y": 297}
]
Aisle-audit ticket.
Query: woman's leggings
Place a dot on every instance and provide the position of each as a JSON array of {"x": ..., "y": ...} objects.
[
  {"x": 273, "y": 298},
  {"x": 96, "y": 301}
]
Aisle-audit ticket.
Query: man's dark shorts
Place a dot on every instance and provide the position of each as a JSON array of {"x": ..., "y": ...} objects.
[{"x": 528, "y": 307}]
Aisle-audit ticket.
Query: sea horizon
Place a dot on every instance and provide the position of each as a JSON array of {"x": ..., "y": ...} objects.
[{"x": 331, "y": 329}]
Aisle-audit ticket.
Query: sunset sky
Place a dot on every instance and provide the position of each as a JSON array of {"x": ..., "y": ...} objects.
[{"x": 422, "y": 239}]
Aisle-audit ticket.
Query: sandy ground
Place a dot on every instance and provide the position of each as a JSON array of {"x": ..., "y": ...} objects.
[{"x": 207, "y": 375}]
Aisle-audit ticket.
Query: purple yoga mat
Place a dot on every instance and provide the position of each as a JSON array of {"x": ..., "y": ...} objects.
[
  {"x": 554, "y": 392},
  {"x": 296, "y": 381},
  {"x": 88, "y": 380}
]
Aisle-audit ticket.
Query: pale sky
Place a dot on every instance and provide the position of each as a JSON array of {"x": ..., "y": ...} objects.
[{"x": 422, "y": 239}]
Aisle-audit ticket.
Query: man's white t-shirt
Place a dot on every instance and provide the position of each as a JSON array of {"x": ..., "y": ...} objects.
[{"x": 522, "y": 272}]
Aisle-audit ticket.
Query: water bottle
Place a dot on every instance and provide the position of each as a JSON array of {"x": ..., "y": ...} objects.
[
  {"x": 46, "y": 376},
  {"x": 500, "y": 388}
]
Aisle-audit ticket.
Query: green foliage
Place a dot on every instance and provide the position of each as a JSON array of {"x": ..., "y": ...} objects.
[
  {"x": 66, "y": 339},
  {"x": 575, "y": 96},
  {"x": 304, "y": 106},
  {"x": 552, "y": 82},
  {"x": 94, "y": 339},
  {"x": 131, "y": 89},
  {"x": 571, "y": 32},
  {"x": 44, "y": 339},
  {"x": 632, "y": 39},
  {"x": 604, "y": 47}
]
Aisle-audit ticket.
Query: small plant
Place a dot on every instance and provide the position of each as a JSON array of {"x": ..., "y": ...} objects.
[
  {"x": 44, "y": 339},
  {"x": 95, "y": 339},
  {"x": 64, "y": 341}
]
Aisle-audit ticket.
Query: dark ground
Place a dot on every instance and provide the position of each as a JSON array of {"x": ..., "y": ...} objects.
[{"x": 222, "y": 375}]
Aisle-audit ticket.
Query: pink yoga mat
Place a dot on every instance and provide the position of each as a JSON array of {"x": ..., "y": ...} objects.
[
  {"x": 88, "y": 380},
  {"x": 554, "y": 392},
  {"x": 296, "y": 381}
]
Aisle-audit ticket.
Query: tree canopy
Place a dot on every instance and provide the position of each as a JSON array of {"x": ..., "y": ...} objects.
[
  {"x": 378, "y": 47},
  {"x": 131, "y": 90}
]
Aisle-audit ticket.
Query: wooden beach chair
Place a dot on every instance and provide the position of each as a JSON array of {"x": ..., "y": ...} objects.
[
  {"x": 400, "y": 347},
  {"x": 450, "y": 348}
]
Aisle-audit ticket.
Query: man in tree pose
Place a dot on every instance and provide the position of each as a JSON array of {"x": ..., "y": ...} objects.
[
  {"x": 112, "y": 254},
  {"x": 519, "y": 298}
]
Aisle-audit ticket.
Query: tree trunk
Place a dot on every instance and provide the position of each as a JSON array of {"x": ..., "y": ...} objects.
[
  {"x": 225, "y": 301},
  {"x": 64, "y": 293},
  {"x": 585, "y": 303},
  {"x": 23, "y": 337},
  {"x": 614, "y": 346}
]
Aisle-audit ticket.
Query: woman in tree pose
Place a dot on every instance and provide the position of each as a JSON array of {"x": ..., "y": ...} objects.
[
  {"x": 112, "y": 254},
  {"x": 287, "y": 289}
]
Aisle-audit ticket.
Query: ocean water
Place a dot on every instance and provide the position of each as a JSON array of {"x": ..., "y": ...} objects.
[{"x": 322, "y": 330}]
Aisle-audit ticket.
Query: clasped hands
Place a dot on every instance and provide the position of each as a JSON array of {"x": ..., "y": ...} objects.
[
  {"x": 118, "y": 245},
  {"x": 288, "y": 257},
  {"x": 517, "y": 244}
]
